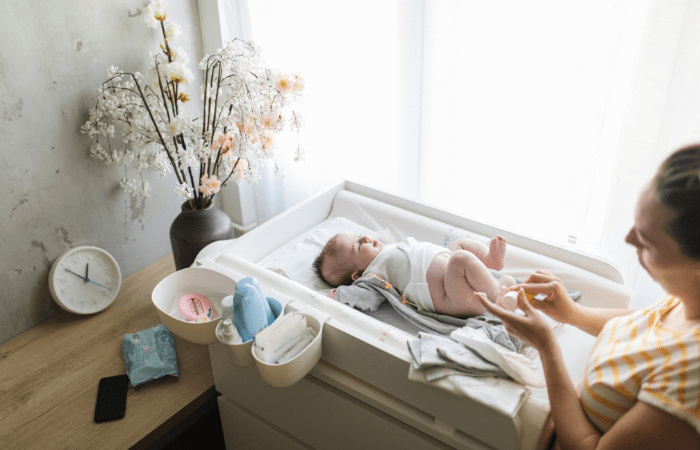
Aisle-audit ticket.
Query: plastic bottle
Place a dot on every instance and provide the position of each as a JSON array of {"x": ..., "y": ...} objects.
[
  {"x": 227, "y": 333},
  {"x": 227, "y": 308}
]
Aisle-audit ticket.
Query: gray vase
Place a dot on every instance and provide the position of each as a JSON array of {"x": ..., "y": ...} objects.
[{"x": 191, "y": 231}]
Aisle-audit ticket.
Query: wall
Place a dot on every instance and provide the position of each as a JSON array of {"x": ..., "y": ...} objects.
[{"x": 53, "y": 55}]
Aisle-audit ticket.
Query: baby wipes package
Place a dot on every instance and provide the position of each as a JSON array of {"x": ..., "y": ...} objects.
[{"x": 149, "y": 354}]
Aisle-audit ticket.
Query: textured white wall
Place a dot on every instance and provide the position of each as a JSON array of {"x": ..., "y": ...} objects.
[{"x": 53, "y": 55}]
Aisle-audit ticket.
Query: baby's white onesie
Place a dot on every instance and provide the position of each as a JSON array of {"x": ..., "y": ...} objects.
[{"x": 405, "y": 265}]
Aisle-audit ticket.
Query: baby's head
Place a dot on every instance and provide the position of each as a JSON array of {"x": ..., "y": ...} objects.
[{"x": 345, "y": 257}]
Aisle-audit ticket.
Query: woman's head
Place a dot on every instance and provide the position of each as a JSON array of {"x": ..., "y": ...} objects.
[
  {"x": 677, "y": 185},
  {"x": 345, "y": 257},
  {"x": 667, "y": 221}
]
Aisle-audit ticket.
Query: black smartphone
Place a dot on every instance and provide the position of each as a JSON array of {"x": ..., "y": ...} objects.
[{"x": 111, "y": 398}]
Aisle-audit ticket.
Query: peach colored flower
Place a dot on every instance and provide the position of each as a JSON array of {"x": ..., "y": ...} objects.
[
  {"x": 298, "y": 83},
  {"x": 268, "y": 121},
  {"x": 223, "y": 144},
  {"x": 283, "y": 83},
  {"x": 209, "y": 185},
  {"x": 240, "y": 170},
  {"x": 267, "y": 141}
]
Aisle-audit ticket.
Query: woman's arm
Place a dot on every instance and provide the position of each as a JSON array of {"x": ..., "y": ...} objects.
[
  {"x": 590, "y": 320},
  {"x": 573, "y": 428},
  {"x": 559, "y": 306},
  {"x": 642, "y": 427}
]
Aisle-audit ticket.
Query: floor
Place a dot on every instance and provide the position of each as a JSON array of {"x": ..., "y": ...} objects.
[{"x": 203, "y": 430}]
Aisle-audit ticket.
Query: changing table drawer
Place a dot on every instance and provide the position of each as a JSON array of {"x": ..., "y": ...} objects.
[
  {"x": 244, "y": 430},
  {"x": 316, "y": 414}
]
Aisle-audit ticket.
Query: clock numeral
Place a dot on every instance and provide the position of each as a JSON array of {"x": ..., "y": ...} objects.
[
  {"x": 94, "y": 301},
  {"x": 63, "y": 290},
  {"x": 72, "y": 299}
]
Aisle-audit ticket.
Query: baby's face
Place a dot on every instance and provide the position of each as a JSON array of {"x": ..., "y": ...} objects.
[{"x": 358, "y": 251}]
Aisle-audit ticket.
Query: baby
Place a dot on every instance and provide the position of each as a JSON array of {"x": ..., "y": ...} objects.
[{"x": 431, "y": 277}]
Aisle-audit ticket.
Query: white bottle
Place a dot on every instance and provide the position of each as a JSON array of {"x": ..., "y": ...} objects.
[
  {"x": 227, "y": 333},
  {"x": 227, "y": 308}
]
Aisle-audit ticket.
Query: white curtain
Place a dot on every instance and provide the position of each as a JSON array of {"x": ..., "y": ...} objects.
[
  {"x": 541, "y": 117},
  {"x": 283, "y": 181}
]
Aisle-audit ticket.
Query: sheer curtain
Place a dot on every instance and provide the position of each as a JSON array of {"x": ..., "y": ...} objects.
[{"x": 540, "y": 117}]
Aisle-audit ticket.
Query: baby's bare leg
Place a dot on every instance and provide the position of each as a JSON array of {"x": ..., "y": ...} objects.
[
  {"x": 465, "y": 275},
  {"x": 493, "y": 255}
]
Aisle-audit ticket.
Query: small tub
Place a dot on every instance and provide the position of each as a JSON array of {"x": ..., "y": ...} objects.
[
  {"x": 210, "y": 283},
  {"x": 288, "y": 373}
]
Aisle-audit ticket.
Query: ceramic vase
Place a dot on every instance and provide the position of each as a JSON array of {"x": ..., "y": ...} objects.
[{"x": 191, "y": 231}]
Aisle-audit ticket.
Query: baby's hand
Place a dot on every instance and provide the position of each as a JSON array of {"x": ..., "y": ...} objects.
[{"x": 331, "y": 294}]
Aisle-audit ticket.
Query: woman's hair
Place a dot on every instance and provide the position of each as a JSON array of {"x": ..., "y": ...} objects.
[{"x": 677, "y": 185}]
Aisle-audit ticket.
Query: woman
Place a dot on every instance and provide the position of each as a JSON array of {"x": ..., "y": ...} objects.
[{"x": 641, "y": 388}]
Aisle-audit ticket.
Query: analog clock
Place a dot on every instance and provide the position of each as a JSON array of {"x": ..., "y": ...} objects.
[{"x": 85, "y": 280}]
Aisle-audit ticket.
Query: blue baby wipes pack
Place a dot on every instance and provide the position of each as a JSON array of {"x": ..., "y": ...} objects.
[{"x": 149, "y": 354}]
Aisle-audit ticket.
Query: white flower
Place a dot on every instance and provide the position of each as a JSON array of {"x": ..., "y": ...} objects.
[
  {"x": 172, "y": 29},
  {"x": 152, "y": 9},
  {"x": 145, "y": 189},
  {"x": 180, "y": 55},
  {"x": 183, "y": 190},
  {"x": 178, "y": 72},
  {"x": 203, "y": 63}
]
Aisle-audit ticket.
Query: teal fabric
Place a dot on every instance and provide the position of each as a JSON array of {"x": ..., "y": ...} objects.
[{"x": 149, "y": 354}]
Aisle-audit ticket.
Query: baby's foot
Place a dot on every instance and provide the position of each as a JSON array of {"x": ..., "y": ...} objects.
[{"x": 496, "y": 256}]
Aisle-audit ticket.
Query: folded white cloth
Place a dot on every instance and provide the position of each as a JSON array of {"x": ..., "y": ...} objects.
[
  {"x": 518, "y": 367},
  {"x": 447, "y": 364},
  {"x": 500, "y": 394}
]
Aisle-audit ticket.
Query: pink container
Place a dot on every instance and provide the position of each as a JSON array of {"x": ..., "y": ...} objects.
[{"x": 197, "y": 308}]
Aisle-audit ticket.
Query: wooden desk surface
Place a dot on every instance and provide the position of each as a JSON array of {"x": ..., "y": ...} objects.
[{"x": 50, "y": 373}]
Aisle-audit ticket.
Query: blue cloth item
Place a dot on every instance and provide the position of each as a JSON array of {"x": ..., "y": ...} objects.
[
  {"x": 149, "y": 354},
  {"x": 253, "y": 311}
]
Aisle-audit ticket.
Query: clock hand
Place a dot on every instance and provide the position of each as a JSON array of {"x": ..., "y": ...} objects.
[
  {"x": 86, "y": 271},
  {"x": 79, "y": 276},
  {"x": 90, "y": 281}
]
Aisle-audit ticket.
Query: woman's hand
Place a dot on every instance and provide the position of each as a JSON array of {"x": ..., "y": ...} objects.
[
  {"x": 532, "y": 328},
  {"x": 331, "y": 294},
  {"x": 557, "y": 302}
]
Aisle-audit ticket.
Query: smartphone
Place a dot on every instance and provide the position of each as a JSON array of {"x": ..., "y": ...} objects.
[{"x": 111, "y": 398}]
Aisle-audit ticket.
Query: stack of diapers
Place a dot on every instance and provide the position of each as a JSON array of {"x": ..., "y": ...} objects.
[{"x": 284, "y": 339}]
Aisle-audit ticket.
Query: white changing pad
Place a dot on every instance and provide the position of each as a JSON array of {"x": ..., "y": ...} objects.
[{"x": 278, "y": 246}]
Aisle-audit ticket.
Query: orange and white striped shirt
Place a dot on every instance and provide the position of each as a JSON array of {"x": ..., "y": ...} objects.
[{"x": 635, "y": 359}]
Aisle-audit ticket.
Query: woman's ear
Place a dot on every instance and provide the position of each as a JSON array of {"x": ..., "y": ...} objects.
[{"x": 355, "y": 275}]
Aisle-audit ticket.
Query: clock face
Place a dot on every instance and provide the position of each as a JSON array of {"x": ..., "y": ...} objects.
[{"x": 85, "y": 280}]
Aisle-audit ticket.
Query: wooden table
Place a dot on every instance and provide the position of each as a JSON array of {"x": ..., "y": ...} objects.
[{"x": 50, "y": 373}]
